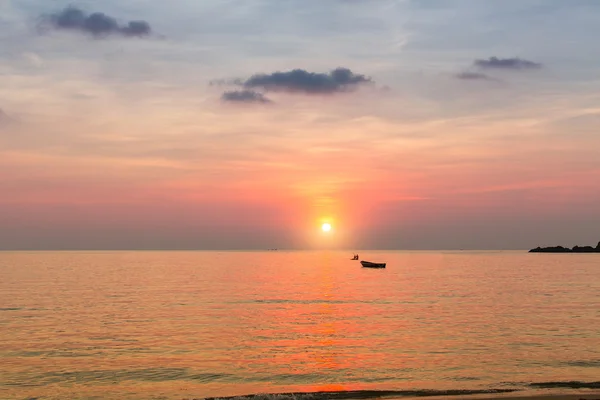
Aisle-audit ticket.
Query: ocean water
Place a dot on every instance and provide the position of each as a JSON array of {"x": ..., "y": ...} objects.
[{"x": 182, "y": 325}]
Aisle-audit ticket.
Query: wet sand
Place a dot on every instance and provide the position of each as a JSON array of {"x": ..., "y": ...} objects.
[
  {"x": 509, "y": 394},
  {"x": 591, "y": 395}
]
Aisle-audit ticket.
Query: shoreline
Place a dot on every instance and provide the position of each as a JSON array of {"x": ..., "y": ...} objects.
[
  {"x": 580, "y": 394},
  {"x": 493, "y": 394},
  {"x": 592, "y": 394}
]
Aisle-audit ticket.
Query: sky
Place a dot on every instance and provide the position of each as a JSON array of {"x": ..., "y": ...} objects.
[{"x": 246, "y": 124}]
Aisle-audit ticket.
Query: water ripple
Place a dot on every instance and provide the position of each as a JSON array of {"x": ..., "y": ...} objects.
[{"x": 116, "y": 376}]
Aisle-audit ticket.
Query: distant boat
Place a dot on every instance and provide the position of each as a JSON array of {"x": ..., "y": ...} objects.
[
  {"x": 355, "y": 257},
  {"x": 368, "y": 264}
]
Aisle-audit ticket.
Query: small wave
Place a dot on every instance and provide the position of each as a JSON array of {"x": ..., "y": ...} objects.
[
  {"x": 314, "y": 301},
  {"x": 566, "y": 384},
  {"x": 114, "y": 376},
  {"x": 359, "y": 394},
  {"x": 584, "y": 363}
]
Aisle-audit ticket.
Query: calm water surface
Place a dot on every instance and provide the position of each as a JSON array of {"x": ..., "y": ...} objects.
[{"x": 180, "y": 325}]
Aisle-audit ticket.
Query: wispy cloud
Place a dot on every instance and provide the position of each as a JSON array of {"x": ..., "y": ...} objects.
[
  {"x": 245, "y": 96},
  {"x": 473, "y": 76},
  {"x": 226, "y": 82},
  {"x": 507, "y": 63},
  {"x": 301, "y": 81},
  {"x": 96, "y": 24},
  {"x": 3, "y": 117}
]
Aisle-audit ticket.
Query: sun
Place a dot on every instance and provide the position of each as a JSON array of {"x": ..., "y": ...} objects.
[{"x": 326, "y": 227}]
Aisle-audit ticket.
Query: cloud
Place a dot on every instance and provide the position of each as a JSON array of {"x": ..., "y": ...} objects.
[
  {"x": 301, "y": 81},
  {"x": 5, "y": 119},
  {"x": 226, "y": 82},
  {"x": 472, "y": 76},
  {"x": 245, "y": 96},
  {"x": 507, "y": 63},
  {"x": 33, "y": 59},
  {"x": 96, "y": 24}
]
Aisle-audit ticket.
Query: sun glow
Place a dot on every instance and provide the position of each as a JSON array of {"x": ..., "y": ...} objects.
[{"x": 326, "y": 227}]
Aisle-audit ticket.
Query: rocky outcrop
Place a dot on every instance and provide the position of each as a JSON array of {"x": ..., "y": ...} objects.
[{"x": 561, "y": 249}]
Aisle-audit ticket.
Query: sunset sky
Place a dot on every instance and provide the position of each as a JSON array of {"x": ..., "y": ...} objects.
[{"x": 405, "y": 124}]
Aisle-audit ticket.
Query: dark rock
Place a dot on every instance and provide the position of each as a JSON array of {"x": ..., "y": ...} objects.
[
  {"x": 554, "y": 249},
  {"x": 584, "y": 249},
  {"x": 561, "y": 249}
]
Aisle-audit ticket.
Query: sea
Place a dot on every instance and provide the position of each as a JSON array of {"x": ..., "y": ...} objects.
[{"x": 194, "y": 325}]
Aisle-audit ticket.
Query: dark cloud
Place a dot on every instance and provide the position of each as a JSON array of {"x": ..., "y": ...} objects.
[
  {"x": 96, "y": 24},
  {"x": 301, "y": 81},
  {"x": 245, "y": 96},
  {"x": 472, "y": 76},
  {"x": 507, "y": 63}
]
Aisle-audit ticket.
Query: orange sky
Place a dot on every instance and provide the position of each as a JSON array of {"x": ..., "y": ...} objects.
[{"x": 119, "y": 142}]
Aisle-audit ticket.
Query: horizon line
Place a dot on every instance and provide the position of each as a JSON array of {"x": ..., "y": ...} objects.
[{"x": 248, "y": 250}]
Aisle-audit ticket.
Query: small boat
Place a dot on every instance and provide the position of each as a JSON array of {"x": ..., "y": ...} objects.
[
  {"x": 368, "y": 264},
  {"x": 355, "y": 257}
]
